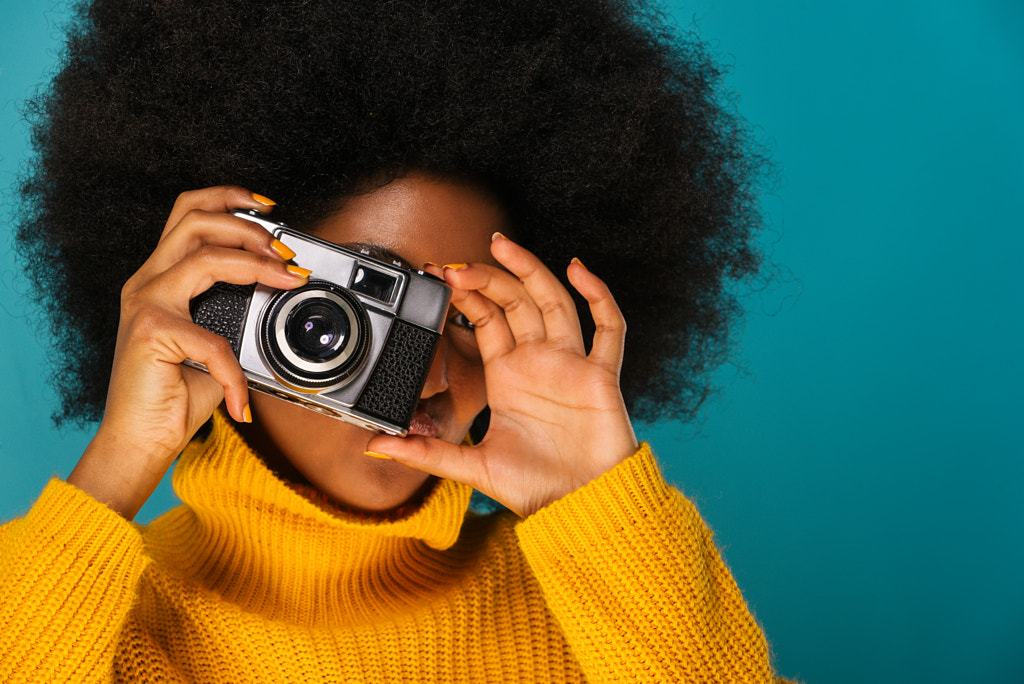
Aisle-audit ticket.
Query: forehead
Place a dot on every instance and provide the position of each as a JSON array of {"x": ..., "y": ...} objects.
[{"x": 420, "y": 219}]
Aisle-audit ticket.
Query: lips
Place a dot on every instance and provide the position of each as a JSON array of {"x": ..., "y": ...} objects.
[{"x": 424, "y": 424}]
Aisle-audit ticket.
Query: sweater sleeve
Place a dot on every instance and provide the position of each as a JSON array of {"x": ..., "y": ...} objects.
[
  {"x": 69, "y": 572},
  {"x": 631, "y": 573}
]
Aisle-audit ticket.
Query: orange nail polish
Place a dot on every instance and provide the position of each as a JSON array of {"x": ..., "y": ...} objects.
[
  {"x": 247, "y": 414},
  {"x": 374, "y": 454},
  {"x": 456, "y": 267},
  {"x": 497, "y": 235},
  {"x": 296, "y": 270},
  {"x": 266, "y": 201},
  {"x": 431, "y": 263},
  {"x": 282, "y": 249},
  {"x": 577, "y": 261}
]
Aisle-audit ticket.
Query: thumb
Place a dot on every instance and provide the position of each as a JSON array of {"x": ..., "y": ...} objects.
[{"x": 428, "y": 454}]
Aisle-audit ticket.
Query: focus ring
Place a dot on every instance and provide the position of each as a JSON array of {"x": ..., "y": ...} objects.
[{"x": 296, "y": 369}]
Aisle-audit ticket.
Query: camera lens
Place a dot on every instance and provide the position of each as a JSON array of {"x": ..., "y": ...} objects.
[
  {"x": 315, "y": 337},
  {"x": 316, "y": 329}
]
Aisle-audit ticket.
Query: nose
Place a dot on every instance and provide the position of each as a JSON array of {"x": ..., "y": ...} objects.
[{"x": 437, "y": 377}]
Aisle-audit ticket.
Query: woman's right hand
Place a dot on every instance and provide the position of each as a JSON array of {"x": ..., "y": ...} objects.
[{"x": 155, "y": 404}]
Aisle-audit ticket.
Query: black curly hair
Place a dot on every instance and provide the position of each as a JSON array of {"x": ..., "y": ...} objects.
[{"x": 604, "y": 132}]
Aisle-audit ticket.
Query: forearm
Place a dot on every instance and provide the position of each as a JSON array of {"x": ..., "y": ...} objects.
[
  {"x": 631, "y": 573},
  {"x": 116, "y": 473}
]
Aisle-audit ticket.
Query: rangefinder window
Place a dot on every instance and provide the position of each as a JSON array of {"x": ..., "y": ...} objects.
[{"x": 373, "y": 283}]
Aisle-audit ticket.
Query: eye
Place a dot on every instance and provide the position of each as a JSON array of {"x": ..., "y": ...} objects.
[
  {"x": 461, "y": 334},
  {"x": 460, "y": 320}
]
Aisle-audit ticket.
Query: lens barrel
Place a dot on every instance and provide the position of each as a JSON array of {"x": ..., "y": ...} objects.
[
  {"x": 317, "y": 330},
  {"x": 315, "y": 337}
]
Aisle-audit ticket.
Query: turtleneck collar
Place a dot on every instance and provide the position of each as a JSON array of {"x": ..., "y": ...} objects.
[{"x": 248, "y": 536}]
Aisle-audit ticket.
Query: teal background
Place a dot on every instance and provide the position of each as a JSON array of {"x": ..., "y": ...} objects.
[{"x": 862, "y": 463}]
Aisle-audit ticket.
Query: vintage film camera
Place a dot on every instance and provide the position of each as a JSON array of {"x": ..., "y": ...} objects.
[{"x": 356, "y": 343}]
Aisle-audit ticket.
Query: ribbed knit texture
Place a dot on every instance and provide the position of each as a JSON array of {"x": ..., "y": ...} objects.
[{"x": 249, "y": 581}]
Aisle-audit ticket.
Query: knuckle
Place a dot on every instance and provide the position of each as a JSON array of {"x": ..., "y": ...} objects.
[
  {"x": 198, "y": 195},
  {"x": 206, "y": 254},
  {"x": 133, "y": 300},
  {"x": 484, "y": 320},
  {"x": 260, "y": 269},
  {"x": 228, "y": 190},
  {"x": 145, "y": 324},
  {"x": 550, "y": 307},
  {"x": 187, "y": 197},
  {"x": 527, "y": 271},
  {"x": 216, "y": 345},
  {"x": 192, "y": 217},
  {"x": 188, "y": 224},
  {"x": 512, "y": 304},
  {"x": 129, "y": 289},
  {"x": 617, "y": 328},
  {"x": 272, "y": 266}
]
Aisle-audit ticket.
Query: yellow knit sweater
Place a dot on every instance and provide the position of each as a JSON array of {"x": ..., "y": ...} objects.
[{"x": 249, "y": 581}]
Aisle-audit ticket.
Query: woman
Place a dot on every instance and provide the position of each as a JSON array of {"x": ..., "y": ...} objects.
[{"x": 486, "y": 143}]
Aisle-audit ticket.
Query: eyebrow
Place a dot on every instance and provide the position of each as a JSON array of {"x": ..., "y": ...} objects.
[{"x": 378, "y": 252}]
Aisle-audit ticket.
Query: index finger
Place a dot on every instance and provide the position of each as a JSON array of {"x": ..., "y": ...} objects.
[
  {"x": 223, "y": 198},
  {"x": 546, "y": 290}
]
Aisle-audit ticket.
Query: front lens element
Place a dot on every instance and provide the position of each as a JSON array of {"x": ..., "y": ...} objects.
[
  {"x": 316, "y": 330},
  {"x": 315, "y": 338}
]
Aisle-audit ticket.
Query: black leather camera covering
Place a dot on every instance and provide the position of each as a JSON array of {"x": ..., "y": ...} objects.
[
  {"x": 221, "y": 309},
  {"x": 393, "y": 390}
]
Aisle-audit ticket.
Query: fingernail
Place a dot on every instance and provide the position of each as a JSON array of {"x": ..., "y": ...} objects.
[
  {"x": 456, "y": 267},
  {"x": 300, "y": 272},
  {"x": 577, "y": 261},
  {"x": 247, "y": 414},
  {"x": 431, "y": 263},
  {"x": 374, "y": 454},
  {"x": 497, "y": 235},
  {"x": 282, "y": 249},
  {"x": 266, "y": 201}
]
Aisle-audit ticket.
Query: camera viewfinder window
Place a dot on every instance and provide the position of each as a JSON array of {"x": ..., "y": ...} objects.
[{"x": 371, "y": 283}]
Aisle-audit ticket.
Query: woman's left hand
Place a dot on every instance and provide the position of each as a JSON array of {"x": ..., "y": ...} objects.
[{"x": 558, "y": 419}]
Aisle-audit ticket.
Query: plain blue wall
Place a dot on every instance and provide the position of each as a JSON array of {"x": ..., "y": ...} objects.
[{"x": 862, "y": 464}]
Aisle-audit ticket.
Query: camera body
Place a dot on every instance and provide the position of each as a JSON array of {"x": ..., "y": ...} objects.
[{"x": 355, "y": 343}]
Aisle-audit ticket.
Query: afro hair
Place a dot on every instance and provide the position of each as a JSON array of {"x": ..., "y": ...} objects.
[{"x": 605, "y": 133}]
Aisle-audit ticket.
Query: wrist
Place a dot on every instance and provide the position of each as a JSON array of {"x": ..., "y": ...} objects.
[
  {"x": 118, "y": 472},
  {"x": 596, "y": 468}
]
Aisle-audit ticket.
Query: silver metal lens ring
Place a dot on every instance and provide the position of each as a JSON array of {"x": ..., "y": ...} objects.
[{"x": 315, "y": 338}]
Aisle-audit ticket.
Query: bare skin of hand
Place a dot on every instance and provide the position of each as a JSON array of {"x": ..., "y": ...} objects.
[
  {"x": 558, "y": 419},
  {"x": 154, "y": 404}
]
